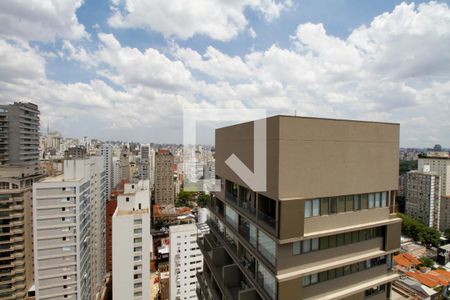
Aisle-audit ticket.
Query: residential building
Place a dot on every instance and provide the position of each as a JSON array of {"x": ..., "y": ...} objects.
[
  {"x": 68, "y": 228},
  {"x": 185, "y": 260},
  {"x": 325, "y": 225},
  {"x": 144, "y": 166},
  {"x": 131, "y": 243},
  {"x": 19, "y": 134},
  {"x": 19, "y": 168},
  {"x": 439, "y": 163},
  {"x": 423, "y": 197},
  {"x": 106, "y": 151},
  {"x": 111, "y": 206},
  {"x": 164, "y": 180},
  {"x": 116, "y": 172},
  {"x": 125, "y": 172}
]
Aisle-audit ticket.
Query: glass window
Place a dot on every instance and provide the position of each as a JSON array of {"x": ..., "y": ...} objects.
[
  {"x": 308, "y": 208},
  {"x": 371, "y": 200},
  {"x": 315, "y": 244},
  {"x": 339, "y": 272},
  {"x": 333, "y": 205},
  {"x": 357, "y": 202},
  {"x": 316, "y": 207},
  {"x": 314, "y": 278},
  {"x": 355, "y": 236},
  {"x": 349, "y": 203},
  {"x": 332, "y": 241},
  {"x": 268, "y": 281},
  {"x": 323, "y": 276},
  {"x": 306, "y": 246},
  {"x": 306, "y": 280},
  {"x": 266, "y": 247},
  {"x": 231, "y": 216},
  {"x": 296, "y": 248},
  {"x": 384, "y": 199},
  {"x": 340, "y": 239},
  {"x": 377, "y": 199},
  {"x": 341, "y": 204},
  {"x": 331, "y": 274},
  {"x": 364, "y": 201},
  {"x": 348, "y": 238},
  {"x": 324, "y": 206},
  {"x": 323, "y": 243}
]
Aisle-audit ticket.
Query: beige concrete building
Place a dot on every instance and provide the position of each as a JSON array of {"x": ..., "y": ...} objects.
[
  {"x": 164, "y": 180},
  {"x": 16, "y": 240},
  {"x": 325, "y": 228},
  {"x": 19, "y": 168},
  {"x": 423, "y": 197}
]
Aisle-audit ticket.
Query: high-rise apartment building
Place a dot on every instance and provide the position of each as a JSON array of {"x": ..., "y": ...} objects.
[
  {"x": 68, "y": 230},
  {"x": 131, "y": 242},
  {"x": 106, "y": 151},
  {"x": 185, "y": 260},
  {"x": 325, "y": 226},
  {"x": 164, "y": 180},
  {"x": 19, "y": 160},
  {"x": 116, "y": 172},
  {"x": 144, "y": 166},
  {"x": 19, "y": 134},
  {"x": 423, "y": 197},
  {"x": 125, "y": 164},
  {"x": 439, "y": 163}
]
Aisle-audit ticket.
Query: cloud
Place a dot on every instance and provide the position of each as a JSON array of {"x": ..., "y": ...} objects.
[
  {"x": 394, "y": 69},
  {"x": 41, "y": 20},
  {"x": 220, "y": 20}
]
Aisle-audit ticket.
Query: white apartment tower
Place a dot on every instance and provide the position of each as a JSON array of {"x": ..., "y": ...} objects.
[
  {"x": 67, "y": 226},
  {"x": 131, "y": 242},
  {"x": 116, "y": 172},
  {"x": 144, "y": 167},
  {"x": 185, "y": 259},
  {"x": 107, "y": 154},
  {"x": 423, "y": 197}
]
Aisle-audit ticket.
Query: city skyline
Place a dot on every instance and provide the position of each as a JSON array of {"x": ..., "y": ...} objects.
[{"x": 116, "y": 71}]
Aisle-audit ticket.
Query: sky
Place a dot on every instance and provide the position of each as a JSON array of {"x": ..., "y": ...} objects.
[{"x": 127, "y": 69}]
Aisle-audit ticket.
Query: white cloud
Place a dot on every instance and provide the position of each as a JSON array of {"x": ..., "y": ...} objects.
[
  {"x": 394, "y": 69},
  {"x": 220, "y": 20},
  {"x": 41, "y": 20},
  {"x": 252, "y": 33}
]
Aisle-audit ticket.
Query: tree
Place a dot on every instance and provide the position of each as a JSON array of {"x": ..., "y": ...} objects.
[
  {"x": 419, "y": 232},
  {"x": 426, "y": 262},
  {"x": 201, "y": 199}
]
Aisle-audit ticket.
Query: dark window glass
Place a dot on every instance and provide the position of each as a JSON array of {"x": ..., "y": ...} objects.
[
  {"x": 355, "y": 236},
  {"x": 323, "y": 242},
  {"x": 339, "y": 272},
  {"x": 323, "y": 276},
  {"x": 333, "y": 205},
  {"x": 348, "y": 238},
  {"x": 340, "y": 240},
  {"x": 331, "y": 274},
  {"x": 341, "y": 204},
  {"x": 324, "y": 206},
  {"x": 332, "y": 241}
]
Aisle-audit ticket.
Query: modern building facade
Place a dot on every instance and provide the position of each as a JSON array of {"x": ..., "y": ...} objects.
[
  {"x": 423, "y": 197},
  {"x": 164, "y": 180},
  {"x": 144, "y": 166},
  {"x": 131, "y": 242},
  {"x": 325, "y": 226},
  {"x": 19, "y": 168},
  {"x": 16, "y": 240},
  {"x": 185, "y": 260},
  {"x": 106, "y": 151},
  {"x": 125, "y": 172},
  {"x": 67, "y": 231},
  {"x": 19, "y": 134},
  {"x": 439, "y": 163}
]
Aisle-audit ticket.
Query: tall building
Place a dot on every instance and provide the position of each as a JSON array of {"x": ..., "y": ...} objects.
[
  {"x": 19, "y": 134},
  {"x": 324, "y": 228},
  {"x": 164, "y": 180},
  {"x": 68, "y": 230},
  {"x": 124, "y": 164},
  {"x": 423, "y": 197},
  {"x": 116, "y": 172},
  {"x": 185, "y": 260},
  {"x": 439, "y": 163},
  {"x": 19, "y": 160},
  {"x": 144, "y": 166},
  {"x": 106, "y": 151},
  {"x": 131, "y": 242}
]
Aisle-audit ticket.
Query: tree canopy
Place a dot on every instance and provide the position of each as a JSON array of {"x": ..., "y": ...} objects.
[{"x": 419, "y": 232}]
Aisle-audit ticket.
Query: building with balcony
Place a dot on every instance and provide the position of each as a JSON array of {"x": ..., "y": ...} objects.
[
  {"x": 185, "y": 260},
  {"x": 423, "y": 197},
  {"x": 68, "y": 229},
  {"x": 164, "y": 178},
  {"x": 325, "y": 226},
  {"x": 131, "y": 242},
  {"x": 106, "y": 151}
]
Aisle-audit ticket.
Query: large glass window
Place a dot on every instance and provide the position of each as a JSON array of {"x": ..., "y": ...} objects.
[
  {"x": 312, "y": 208},
  {"x": 371, "y": 200},
  {"x": 268, "y": 281},
  {"x": 231, "y": 216},
  {"x": 266, "y": 247},
  {"x": 384, "y": 199}
]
